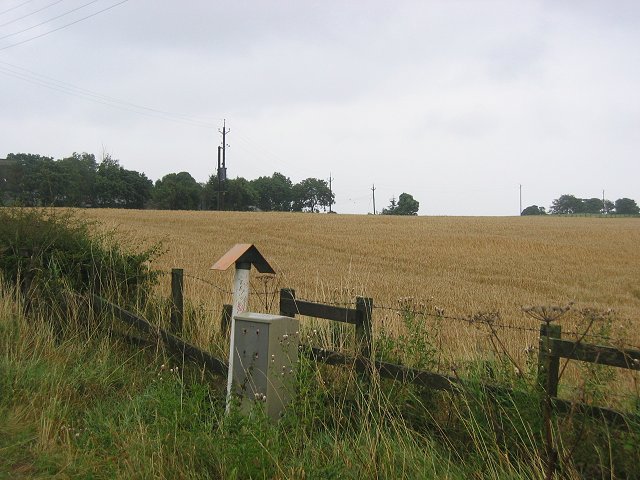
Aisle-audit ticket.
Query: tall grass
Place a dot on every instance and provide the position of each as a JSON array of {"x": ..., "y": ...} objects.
[{"x": 90, "y": 406}]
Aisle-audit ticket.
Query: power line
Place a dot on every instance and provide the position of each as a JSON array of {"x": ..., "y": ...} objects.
[
  {"x": 44, "y": 79},
  {"x": 50, "y": 20},
  {"x": 64, "y": 26},
  {"x": 69, "y": 89},
  {"x": 32, "y": 13},
  {"x": 17, "y": 6}
]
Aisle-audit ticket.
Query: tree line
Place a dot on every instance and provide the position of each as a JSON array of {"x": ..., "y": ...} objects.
[
  {"x": 571, "y": 205},
  {"x": 81, "y": 181}
]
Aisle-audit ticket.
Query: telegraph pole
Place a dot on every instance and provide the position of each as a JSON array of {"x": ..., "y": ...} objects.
[
  {"x": 330, "y": 192},
  {"x": 222, "y": 165},
  {"x": 520, "y": 199},
  {"x": 373, "y": 192}
]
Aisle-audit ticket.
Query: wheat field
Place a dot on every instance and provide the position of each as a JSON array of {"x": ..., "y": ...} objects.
[{"x": 462, "y": 265}]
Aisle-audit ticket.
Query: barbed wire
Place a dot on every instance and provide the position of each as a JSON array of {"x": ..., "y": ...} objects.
[
  {"x": 208, "y": 282},
  {"x": 472, "y": 321},
  {"x": 228, "y": 292},
  {"x": 469, "y": 320}
]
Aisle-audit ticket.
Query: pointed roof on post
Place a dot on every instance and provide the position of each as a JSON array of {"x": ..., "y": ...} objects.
[{"x": 244, "y": 253}]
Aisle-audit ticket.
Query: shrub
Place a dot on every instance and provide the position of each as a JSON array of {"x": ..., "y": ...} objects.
[{"x": 52, "y": 255}]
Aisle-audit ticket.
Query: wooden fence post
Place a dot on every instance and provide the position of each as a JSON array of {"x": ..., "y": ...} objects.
[
  {"x": 548, "y": 364},
  {"x": 177, "y": 300},
  {"x": 287, "y": 294},
  {"x": 225, "y": 319},
  {"x": 364, "y": 336}
]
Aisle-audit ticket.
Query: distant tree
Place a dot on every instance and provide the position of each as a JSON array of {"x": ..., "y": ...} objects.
[
  {"x": 24, "y": 183},
  {"x": 6, "y": 172},
  {"x": 534, "y": 210},
  {"x": 79, "y": 172},
  {"x": 240, "y": 195},
  {"x": 609, "y": 207},
  {"x": 392, "y": 208},
  {"x": 209, "y": 194},
  {"x": 311, "y": 194},
  {"x": 567, "y": 204},
  {"x": 116, "y": 187},
  {"x": 626, "y": 206},
  {"x": 139, "y": 189},
  {"x": 52, "y": 184},
  {"x": 592, "y": 205},
  {"x": 406, "y": 205},
  {"x": 274, "y": 193},
  {"x": 109, "y": 188},
  {"x": 176, "y": 191}
]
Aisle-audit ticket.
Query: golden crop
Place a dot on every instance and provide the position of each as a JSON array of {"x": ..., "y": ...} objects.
[{"x": 459, "y": 265}]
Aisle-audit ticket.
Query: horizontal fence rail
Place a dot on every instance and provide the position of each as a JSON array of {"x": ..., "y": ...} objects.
[
  {"x": 175, "y": 344},
  {"x": 614, "y": 357},
  {"x": 359, "y": 316},
  {"x": 388, "y": 370},
  {"x": 291, "y": 307}
]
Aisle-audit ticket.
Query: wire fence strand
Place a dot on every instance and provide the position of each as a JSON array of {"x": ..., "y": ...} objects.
[{"x": 473, "y": 320}]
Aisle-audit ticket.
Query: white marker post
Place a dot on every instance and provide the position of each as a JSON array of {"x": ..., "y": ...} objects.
[
  {"x": 242, "y": 255},
  {"x": 240, "y": 305}
]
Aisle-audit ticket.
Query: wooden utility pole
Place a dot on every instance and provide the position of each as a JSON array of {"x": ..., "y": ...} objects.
[
  {"x": 330, "y": 192},
  {"x": 219, "y": 205},
  {"x": 520, "y": 199},
  {"x": 373, "y": 192},
  {"x": 222, "y": 165}
]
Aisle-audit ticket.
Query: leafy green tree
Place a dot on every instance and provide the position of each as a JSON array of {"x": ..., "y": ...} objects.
[
  {"x": 311, "y": 194},
  {"x": 109, "y": 188},
  {"x": 627, "y": 206},
  {"x": 25, "y": 183},
  {"x": 592, "y": 205},
  {"x": 534, "y": 210},
  {"x": 609, "y": 207},
  {"x": 273, "y": 193},
  {"x": 79, "y": 171},
  {"x": 38, "y": 181},
  {"x": 74, "y": 181},
  {"x": 6, "y": 172},
  {"x": 177, "y": 191},
  {"x": 51, "y": 183},
  {"x": 240, "y": 195},
  {"x": 116, "y": 187},
  {"x": 392, "y": 208},
  {"x": 406, "y": 205},
  {"x": 209, "y": 194},
  {"x": 139, "y": 189},
  {"x": 567, "y": 204}
]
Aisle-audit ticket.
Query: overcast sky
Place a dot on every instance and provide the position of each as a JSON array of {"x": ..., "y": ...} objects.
[{"x": 454, "y": 102}]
